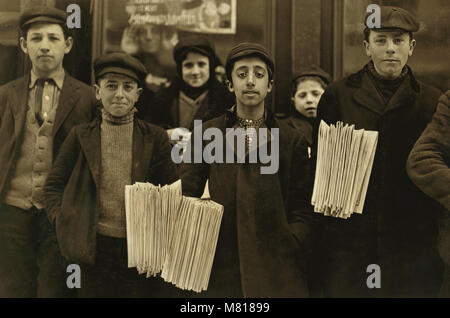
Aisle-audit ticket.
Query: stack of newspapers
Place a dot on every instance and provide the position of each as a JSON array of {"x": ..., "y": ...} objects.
[
  {"x": 171, "y": 235},
  {"x": 344, "y": 163}
]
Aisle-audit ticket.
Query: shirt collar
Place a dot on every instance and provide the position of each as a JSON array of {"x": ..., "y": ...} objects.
[{"x": 57, "y": 77}]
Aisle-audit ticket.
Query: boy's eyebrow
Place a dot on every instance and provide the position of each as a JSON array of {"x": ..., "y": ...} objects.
[
  {"x": 242, "y": 67},
  {"x": 260, "y": 67}
]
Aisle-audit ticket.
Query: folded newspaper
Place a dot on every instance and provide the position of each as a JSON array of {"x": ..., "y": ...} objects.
[
  {"x": 171, "y": 235},
  {"x": 344, "y": 162}
]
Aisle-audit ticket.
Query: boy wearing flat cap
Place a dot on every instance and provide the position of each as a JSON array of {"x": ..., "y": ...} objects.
[
  {"x": 37, "y": 113},
  {"x": 307, "y": 86},
  {"x": 85, "y": 191},
  {"x": 265, "y": 226},
  {"x": 397, "y": 229}
]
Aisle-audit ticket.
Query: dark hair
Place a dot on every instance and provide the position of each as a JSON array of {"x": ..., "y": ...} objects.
[
  {"x": 367, "y": 33},
  {"x": 229, "y": 67},
  {"x": 301, "y": 79},
  {"x": 24, "y": 30}
]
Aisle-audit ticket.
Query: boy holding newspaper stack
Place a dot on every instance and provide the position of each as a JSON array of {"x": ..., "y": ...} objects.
[
  {"x": 85, "y": 191},
  {"x": 397, "y": 227}
]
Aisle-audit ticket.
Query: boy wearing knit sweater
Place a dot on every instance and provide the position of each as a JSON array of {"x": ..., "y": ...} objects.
[{"x": 85, "y": 192}]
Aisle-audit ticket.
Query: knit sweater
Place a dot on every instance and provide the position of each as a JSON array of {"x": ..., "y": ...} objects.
[{"x": 116, "y": 160}]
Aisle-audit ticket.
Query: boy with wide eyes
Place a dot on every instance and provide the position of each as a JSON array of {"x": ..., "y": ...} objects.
[
  {"x": 265, "y": 226},
  {"x": 85, "y": 191},
  {"x": 397, "y": 228},
  {"x": 307, "y": 86},
  {"x": 37, "y": 112}
]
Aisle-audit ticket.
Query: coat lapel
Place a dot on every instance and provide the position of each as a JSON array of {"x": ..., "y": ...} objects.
[
  {"x": 20, "y": 104},
  {"x": 404, "y": 96},
  {"x": 142, "y": 153},
  {"x": 91, "y": 144},
  {"x": 67, "y": 100},
  {"x": 368, "y": 97}
]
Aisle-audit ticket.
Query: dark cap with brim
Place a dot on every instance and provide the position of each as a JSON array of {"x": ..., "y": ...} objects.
[
  {"x": 246, "y": 49},
  {"x": 313, "y": 70},
  {"x": 395, "y": 18},
  {"x": 42, "y": 14},
  {"x": 120, "y": 63}
]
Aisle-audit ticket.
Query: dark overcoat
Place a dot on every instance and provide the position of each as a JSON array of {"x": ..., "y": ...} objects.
[
  {"x": 77, "y": 104},
  {"x": 429, "y": 161},
  {"x": 397, "y": 229},
  {"x": 265, "y": 225},
  {"x": 71, "y": 191},
  {"x": 301, "y": 123},
  {"x": 429, "y": 168},
  {"x": 163, "y": 106}
]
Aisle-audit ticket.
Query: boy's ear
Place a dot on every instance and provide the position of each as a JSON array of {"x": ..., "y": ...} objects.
[
  {"x": 97, "y": 92},
  {"x": 69, "y": 44},
  {"x": 270, "y": 85},
  {"x": 23, "y": 45},
  {"x": 367, "y": 48},
  {"x": 229, "y": 85}
]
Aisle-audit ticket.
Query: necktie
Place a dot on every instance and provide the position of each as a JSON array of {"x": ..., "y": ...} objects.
[{"x": 38, "y": 99}]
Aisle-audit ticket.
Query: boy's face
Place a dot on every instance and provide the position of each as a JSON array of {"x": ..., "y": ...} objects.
[
  {"x": 46, "y": 46},
  {"x": 118, "y": 93},
  {"x": 250, "y": 81},
  {"x": 307, "y": 98},
  {"x": 195, "y": 69},
  {"x": 389, "y": 51}
]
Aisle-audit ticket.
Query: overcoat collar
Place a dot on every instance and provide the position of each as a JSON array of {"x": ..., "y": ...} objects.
[
  {"x": 142, "y": 150},
  {"x": 367, "y": 95},
  {"x": 231, "y": 119}
]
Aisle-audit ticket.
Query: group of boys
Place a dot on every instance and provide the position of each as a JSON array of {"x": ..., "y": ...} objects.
[{"x": 66, "y": 161}]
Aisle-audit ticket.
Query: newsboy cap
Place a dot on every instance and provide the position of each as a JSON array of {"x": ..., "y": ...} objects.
[
  {"x": 245, "y": 49},
  {"x": 313, "y": 70},
  {"x": 396, "y": 18},
  {"x": 197, "y": 43},
  {"x": 120, "y": 63},
  {"x": 42, "y": 14}
]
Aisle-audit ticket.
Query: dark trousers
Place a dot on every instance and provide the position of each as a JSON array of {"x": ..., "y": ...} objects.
[
  {"x": 30, "y": 262},
  {"x": 110, "y": 277}
]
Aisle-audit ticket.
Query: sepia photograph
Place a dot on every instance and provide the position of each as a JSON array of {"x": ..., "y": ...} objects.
[{"x": 225, "y": 154}]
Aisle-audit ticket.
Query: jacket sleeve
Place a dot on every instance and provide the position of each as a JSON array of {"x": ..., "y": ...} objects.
[
  {"x": 428, "y": 162},
  {"x": 59, "y": 175},
  {"x": 163, "y": 168},
  {"x": 300, "y": 211}
]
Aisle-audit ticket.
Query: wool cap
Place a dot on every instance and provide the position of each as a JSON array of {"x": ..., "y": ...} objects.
[
  {"x": 42, "y": 14},
  {"x": 245, "y": 49},
  {"x": 313, "y": 70},
  {"x": 120, "y": 63},
  {"x": 197, "y": 43},
  {"x": 396, "y": 18}
]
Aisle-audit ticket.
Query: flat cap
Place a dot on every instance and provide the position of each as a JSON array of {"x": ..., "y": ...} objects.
[
  {"x": 120, "y": 63},
  {"x": 197, "y": 43},
  {"x": 42, "y": 14},
  {"x": 396, "y": 18},
  {"x": 313, "y": 70},
  {"x": 245, "y": 49}
]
